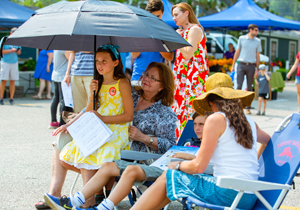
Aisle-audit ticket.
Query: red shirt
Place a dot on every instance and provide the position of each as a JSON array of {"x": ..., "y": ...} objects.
[{"x": 298, "y": 57}]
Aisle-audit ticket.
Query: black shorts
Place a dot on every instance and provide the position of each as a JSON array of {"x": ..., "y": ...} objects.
[{"x": 264, "y": 95}]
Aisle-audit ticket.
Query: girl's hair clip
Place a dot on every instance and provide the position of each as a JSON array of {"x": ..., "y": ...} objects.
[{"x": 111, "y": 47}]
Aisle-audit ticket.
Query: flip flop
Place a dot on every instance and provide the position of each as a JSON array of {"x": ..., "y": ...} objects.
[
  {"x": 37, "y": 97},
  {"x": 47, "y": 98},
  {"x": 41, "y": 205}
]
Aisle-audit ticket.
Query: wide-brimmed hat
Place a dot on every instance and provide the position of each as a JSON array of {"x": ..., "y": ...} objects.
[{"x": 221, "y": 84}]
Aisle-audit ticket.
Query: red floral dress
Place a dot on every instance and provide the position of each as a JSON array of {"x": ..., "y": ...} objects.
[{"x": 190, "y": 78}]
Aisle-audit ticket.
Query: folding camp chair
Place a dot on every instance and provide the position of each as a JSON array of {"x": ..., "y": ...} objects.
[
  {"x": 187, "y": 133},
  {"x": 277, "y": 166}
]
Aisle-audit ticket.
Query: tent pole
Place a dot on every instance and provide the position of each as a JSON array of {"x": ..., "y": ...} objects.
[
  {"x": 269, "y": 48},
  {"x": 94, "y": 93},
  {"x": 224, "y": 36}
]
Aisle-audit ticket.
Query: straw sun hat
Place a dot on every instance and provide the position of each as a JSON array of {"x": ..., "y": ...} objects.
[{"x": 221, "y": 84}]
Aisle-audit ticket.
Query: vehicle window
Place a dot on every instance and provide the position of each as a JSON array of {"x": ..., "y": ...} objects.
[
  {"x": 208, "y": 44},
  {"x": 227, "y": 41}
]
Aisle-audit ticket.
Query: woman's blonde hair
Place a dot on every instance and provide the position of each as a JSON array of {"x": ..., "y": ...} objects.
[{"x": 192, "y": 17}]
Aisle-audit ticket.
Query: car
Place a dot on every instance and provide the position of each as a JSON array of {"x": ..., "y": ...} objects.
[{"x": 215, "y": 48}]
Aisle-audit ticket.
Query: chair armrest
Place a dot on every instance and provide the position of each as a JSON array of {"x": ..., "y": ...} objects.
[
  {"x": 135, "y": 155},
  {"x": 249, "y": 185}
]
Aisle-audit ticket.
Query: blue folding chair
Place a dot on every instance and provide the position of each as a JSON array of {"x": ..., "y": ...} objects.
[
  {"x": 279, "y": 164},
  {"x": 130, "y": 155}
]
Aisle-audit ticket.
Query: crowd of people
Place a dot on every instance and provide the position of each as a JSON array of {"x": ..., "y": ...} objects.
[{"x": 146, "y": 100}]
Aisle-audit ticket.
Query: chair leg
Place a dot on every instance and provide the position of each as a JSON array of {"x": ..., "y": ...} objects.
[{"x": 72, "y": 188}]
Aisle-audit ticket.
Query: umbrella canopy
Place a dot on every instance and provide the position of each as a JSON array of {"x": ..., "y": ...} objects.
[{"x": 85, "y": 25}]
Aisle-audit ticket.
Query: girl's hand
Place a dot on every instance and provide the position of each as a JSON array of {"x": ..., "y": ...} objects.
[
  {"x": 288, "y": 75},
  {"x": 135, "y": 134},
  {"x": 180, "y": 31},
  {"x": 97, "y": 114},
  {"x": 93, "y": 86},
  {"x": 62, "y": 128}
]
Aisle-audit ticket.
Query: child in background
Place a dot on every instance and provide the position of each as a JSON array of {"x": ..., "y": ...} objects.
[{"x": 262, "y": 80}]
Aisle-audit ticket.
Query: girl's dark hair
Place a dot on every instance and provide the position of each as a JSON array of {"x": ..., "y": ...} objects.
[
  {"x": 118, "y": 71},
  {"x": 166, "y": 95},
  {"x": 237, "y": 119}
]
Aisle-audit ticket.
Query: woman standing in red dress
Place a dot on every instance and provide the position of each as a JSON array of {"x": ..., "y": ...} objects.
[{"x": 190, "y": 67}]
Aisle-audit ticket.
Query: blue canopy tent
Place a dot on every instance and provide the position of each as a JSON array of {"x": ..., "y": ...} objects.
[
  {"x": 13, "y": 15},
  {"x": 245, "y": 12},
  {"x": 167, "y": 16}
]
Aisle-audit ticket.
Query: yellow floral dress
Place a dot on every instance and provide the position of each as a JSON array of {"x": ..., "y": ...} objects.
[{"x": 111, "y": 104}]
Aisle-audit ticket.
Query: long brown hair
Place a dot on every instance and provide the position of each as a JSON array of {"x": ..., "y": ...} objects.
[
  {"x": 118, "y": 71},
  {"x": 167, "y": 81},
  {"x": 192, "y": 17},
  {"x": 237, "y": 119}
]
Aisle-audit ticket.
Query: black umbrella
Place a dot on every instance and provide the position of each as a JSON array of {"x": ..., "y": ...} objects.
[{"x": 85, "y": 25}]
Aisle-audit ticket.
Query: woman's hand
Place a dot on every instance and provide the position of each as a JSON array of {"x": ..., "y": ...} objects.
[
  {"x": 48, "y": 69},
  {"x": 184, "y": 156},
  {"x": 93, "y": 86},
  {"x": 60, "y": 129},
  {"x": 180, "y": 31},
  {"x": 173, "y": 165},
  {"x": 135, "y": 134},
  {"x": 289, "y": 75}
]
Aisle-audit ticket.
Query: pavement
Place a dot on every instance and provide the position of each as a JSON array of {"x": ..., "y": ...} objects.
[{"x": 26, "y": 150}]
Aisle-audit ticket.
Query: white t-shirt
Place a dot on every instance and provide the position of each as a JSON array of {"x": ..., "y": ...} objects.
[{"x": 231, "y": 159}]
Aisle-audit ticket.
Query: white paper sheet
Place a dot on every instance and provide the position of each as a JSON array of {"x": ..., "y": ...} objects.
[
  {"x": 67, "y": 94},
  {"x": 89, "y": 133},
  {"x": 161, "y": 162}
]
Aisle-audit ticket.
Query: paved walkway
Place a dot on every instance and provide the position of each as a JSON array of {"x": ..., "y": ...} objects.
[{"x": 26, "y": 150}]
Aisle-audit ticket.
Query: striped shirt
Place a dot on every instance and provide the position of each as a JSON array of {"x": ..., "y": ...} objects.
[{"x": 83, "y": 64}]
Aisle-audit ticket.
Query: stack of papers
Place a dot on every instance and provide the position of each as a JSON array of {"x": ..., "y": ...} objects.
[
  {"x": 161, "y": 162},
  {"x": 89, "y": 133}
]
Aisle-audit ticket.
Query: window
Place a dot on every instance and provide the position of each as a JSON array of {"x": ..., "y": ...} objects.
[
  {"x": 292, "y": 52},
  {"x": 263, "y": 41},
  {"x": 274, "y": 49}
]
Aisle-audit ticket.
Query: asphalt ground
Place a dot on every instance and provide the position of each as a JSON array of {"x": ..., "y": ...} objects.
[{"x": 26, "y": 150}]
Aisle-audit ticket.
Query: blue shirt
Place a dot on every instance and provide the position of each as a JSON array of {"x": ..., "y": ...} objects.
[
  {"x": 10, "y": 57},
  {"x": 83, "y": 64},
  {"x": 140, "y": 64}
]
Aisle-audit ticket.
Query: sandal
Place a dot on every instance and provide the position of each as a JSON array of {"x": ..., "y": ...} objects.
[
  {"x": 41, "y": 205},
  {"x": 37, "y": 97},
  {"x": 47, "y": 98}
]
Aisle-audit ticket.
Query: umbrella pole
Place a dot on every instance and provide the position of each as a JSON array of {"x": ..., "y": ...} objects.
[{"x": 94, "y": 93}]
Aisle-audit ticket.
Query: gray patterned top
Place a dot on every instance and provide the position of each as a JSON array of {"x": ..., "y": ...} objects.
[{"x": 157, "y": 120}]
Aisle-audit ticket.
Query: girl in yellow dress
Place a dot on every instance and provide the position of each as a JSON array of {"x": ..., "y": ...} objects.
[{"x": 116, "y": 111}]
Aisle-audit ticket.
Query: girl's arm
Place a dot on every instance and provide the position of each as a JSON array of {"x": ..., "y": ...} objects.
[
  {"x": 64, "y": 127},
  {"x": 127, "y": 115},
  {"x": 295, "y": 66},
  {"x": 267, "y": 76},
  {"x": 209, "y": 143},
  {"x": 50, "y": 58},
  {"x": 194, "y": 37}
]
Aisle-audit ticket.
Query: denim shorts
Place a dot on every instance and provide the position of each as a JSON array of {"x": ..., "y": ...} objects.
[{"x": 297, "y": 80}]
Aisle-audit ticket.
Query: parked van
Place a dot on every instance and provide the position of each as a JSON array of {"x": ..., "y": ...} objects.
[{"x": 214, "y": 45}]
